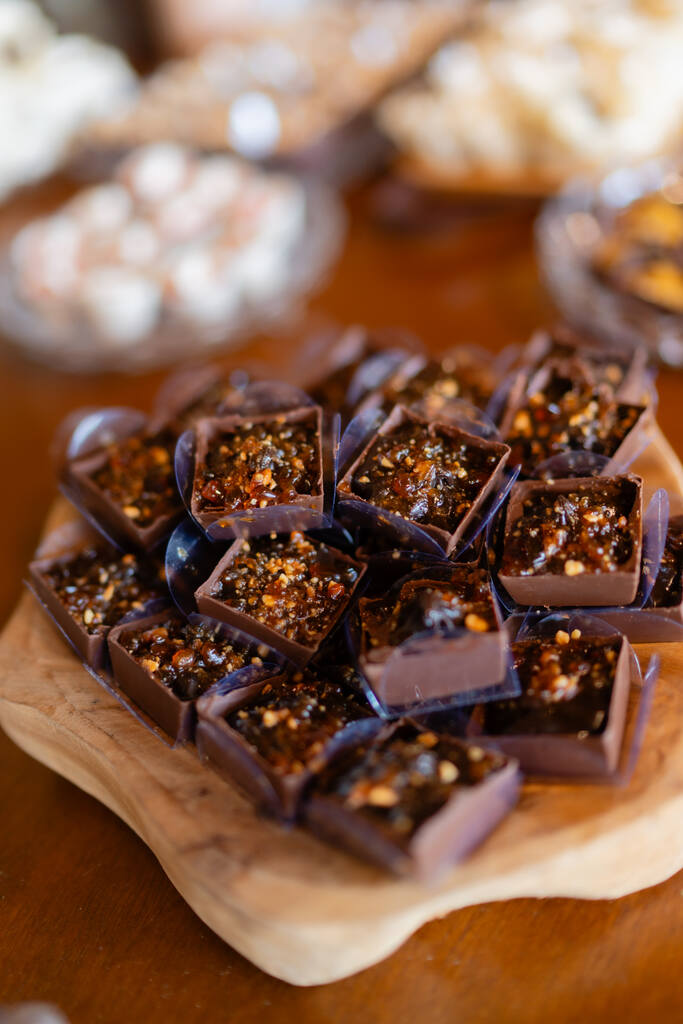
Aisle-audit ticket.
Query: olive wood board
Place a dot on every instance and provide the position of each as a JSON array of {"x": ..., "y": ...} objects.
[{"x": 299, "y": 909}]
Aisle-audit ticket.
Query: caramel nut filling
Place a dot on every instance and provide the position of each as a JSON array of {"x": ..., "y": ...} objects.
[
  {"x": 256, "y": 465},
  {"x": 566, "y": 682},
  {"x": 424, "y": 474},
  {"x": 294, "y": 585},
  {"x": 401, "y": 783},
  {"x": 98, "y": 588},
  {"x": 291, "y": 720},
  {"x": 187, "y": 658},
  {"x": 139, "y": 477},
  {"x": 586, "y": 530}
]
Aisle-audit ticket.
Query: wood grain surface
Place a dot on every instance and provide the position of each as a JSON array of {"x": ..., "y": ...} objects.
[{"x": 89, "y": 920}]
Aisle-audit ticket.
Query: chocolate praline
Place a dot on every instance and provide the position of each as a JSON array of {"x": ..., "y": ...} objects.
[
  {"x": 91, "y": 586},
  {"x": 412, "y": 800},
  {"x": 287, "y": 590},
  {"x": 272, "y": 737},
  {"x": 573, "y": 542},
  {"x": 432, "y": 475},
  {"x": 253, "y": 469},
  {"x": 164, "y": 663},
  {"x": 570, "y": 717}
]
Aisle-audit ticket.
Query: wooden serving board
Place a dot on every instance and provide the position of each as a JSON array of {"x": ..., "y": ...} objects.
[{"x": 297, "y": 908}]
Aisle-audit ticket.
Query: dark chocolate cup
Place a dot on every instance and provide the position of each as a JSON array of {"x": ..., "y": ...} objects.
[
  {"x": 90, "y": 647},
  {"x": 589, "y": 589},
  {"x": 567, "y": 755},
  {"x": 305, "y": 512},
  {"x": 299, "y": 653},
  {"x": 80, "y": 488},
  {"x": 355, "y": 506},
  {"x": 274, "y": 791},
  {"x": 175, "y": 716},
  {"x": 444, "y": 839}
]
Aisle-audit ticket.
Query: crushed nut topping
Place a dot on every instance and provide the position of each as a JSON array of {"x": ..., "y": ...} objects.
[
  {"x": 255, "y": 465},
  {"x": 187, "y": 658},
  {"x": 291, "y": 720},
  {"x": 98, "y": 587},
  {"x": 420, "y": 605},
  {"x": 404, "y": 780},
  {"x": 294, "y": 585},
  {"x": 436, "y": 473},
  {"x": 139, "y": 477},
  {"x": 582, "y": 530},
  {"x": 564, "y": 684}
]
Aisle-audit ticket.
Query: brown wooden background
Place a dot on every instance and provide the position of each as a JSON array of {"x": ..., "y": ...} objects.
[{"x": 87, "y": 918}]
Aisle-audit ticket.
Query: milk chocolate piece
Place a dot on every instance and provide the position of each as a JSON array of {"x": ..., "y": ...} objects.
[
  {"x": 89, "y": 588},
  {"x": 561, "y": 410},
  {"x": 270, "y": 738},
  {"x": 436, "y": 634},
  {"x": 620, "y": 371},
  {"x": 570, "y": 717},
  {"x": 412, "y": 800},
  {"x": 289, "y": 591},
  {"x": 165, "y": 662},
  {"x": 432, "y": 475},
  {"x": 574, "y": 542},
  {"x": 130, "y": 487},
  {"x": 429, "y": 387},
  {"x": 250, "y": 468}
]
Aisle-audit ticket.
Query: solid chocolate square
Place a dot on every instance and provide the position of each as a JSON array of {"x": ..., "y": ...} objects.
[
  {"x": 574, "y": 542},
  {"x": 252, "y": 467},
  {"x": 570, "y": 717},
  {"x": 165, "y": 662},
  {"x": 90, "y": 587},
  {"x": 130, "y": 486},
  {"x": 433, "y": 475},
  {"x": 460, "y": 643},
  {"x": 288, "y": 590},
  {"x": 412, "y": 800},
  {"x": 561, "y": 410},
  {"x": 272, "y": 737}
]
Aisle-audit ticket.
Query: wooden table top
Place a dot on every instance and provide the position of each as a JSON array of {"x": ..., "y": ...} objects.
[{"x": 89, "y": 921}]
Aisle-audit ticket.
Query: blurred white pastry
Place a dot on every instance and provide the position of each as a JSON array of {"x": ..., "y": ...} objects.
[
  {"x": 173, "y": 242},
  {"x": 51, "y": 86},
  {"x": 547, "y": 87}
]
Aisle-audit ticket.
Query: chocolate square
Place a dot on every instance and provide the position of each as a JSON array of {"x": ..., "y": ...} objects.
[
  {"x": 436, "y": 634},
  {"x": 260, "y": 507},
  {"x": 407, "y": 478},
  {"x": 267, "y": 574},
  {"x": 561, "y": 409},
  {"x": 430, "y": 386},
  {"x": 165, "y": 676},
  {"x": 621, "y": 371},
  {"x": 129, "y": 487},
  {"x": 570, "y": 717},
  {"x": 270, "y": 738},
  {"x": 412, "y": 800},
  {"x": 562, "y": 526},
  {"x": 109, "y": 585}
]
